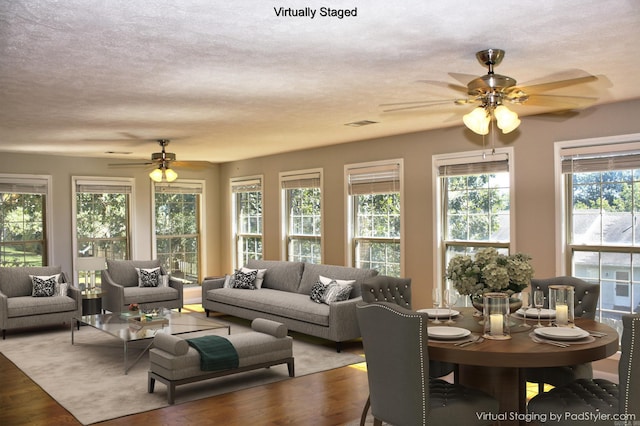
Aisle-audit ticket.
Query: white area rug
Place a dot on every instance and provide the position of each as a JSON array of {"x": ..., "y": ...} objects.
[{"x": 88, "y": 378}]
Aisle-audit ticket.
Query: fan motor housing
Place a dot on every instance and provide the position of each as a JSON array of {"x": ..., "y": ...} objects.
[
  {"x": 488, "y": 83},
  {"x": 160, "y": 156}
]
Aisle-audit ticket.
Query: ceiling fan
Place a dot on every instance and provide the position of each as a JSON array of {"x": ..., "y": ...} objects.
[
  {"x": 492, "y": 91},
  {"x": 162, "y": 161}
]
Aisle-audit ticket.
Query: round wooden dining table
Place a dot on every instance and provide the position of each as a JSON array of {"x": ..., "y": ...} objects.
[{"x": 497, "y": 367}]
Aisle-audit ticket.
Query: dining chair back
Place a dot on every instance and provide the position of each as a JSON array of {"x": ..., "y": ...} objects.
[
  {"x": 599, "y": 396},
  {"x": 585, "y": 304},
  {"x": 585, "y": 298},
  {"x": 401, "y": 392},
  {"x": 382, "y": 288}
]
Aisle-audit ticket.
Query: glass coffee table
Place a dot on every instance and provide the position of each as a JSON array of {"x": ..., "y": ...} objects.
[{"x": 132, "y": 327}]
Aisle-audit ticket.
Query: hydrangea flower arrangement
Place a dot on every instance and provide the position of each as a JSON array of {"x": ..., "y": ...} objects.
[{"x": 490, "y": 271}]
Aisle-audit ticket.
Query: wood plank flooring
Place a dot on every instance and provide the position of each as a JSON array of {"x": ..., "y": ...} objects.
[{"x": 334, "y": 397}]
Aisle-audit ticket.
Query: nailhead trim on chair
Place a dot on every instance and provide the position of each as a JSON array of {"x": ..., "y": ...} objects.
[
  {"x": 382, "y": 298},
  {"x": 421, "y": 318},
  {"x": 627, "y": 390}
]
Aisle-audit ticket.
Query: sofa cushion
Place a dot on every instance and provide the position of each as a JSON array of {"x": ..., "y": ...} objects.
[
  {"x": 24, "y": 306},
  {"x": 143, "y": 295},
  {"x": 279, "y": 275},
  {"x": 16, "y": 281},
  {"x": 124, "y": 272},
  {"x": 275, "y": 302},
  {"x": 313, "y": 271}
]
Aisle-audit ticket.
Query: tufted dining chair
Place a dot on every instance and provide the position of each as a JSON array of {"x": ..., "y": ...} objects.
[
  {"x": 599, "y": 395},
  {"x": 401, "y": 391},
  {"x": 382, "y": 288},
  {"x": 585, "y": 303}
]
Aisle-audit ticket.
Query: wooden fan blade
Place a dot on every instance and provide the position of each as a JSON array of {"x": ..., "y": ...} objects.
[
  {"x": 431, "y": 101},
  {"x": 190, "y": 164},
  {"x": 559, "y": 101},
  {"x": 463, "y": 78},
  {"x": 148, "y": 163},
  {"x": 552, "y": 85},
  {"x": 422, "y": 105},
  {"x": 456, "y": 87}
]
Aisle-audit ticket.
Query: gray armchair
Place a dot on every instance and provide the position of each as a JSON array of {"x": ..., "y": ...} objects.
[
  {"x": 19, "y": 309},
  {"x": 401, "y": 391},
  {"x": 599, "y": 395},
  {"x": 120, "y": 282},
  {"x": 585, "y": 304}
]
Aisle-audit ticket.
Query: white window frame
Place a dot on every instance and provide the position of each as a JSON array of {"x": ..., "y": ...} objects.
[
  {"x": 372, "y": 166},
  {"x": 439, "y": 269},
  {"x": 38, "y": 180},
  {"x": 584, "y": 146},
  {"x": 240, "y": 181},
  {"x": 284, "y": 216},
  {"x": 199, "y": 186},
  {"x": 100, "y": 181}
]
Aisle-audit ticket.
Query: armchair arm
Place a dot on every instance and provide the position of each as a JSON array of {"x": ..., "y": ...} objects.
[
  {"x": 3, "y": 311},
  {"x": 343, "y": 320},
  {"x": 210, "y": 284},
  {"x": 114, "y": 298}
]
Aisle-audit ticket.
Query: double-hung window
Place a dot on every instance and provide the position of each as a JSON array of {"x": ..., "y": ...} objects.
[
  {"x": 302, "y": 215},
  {"x": 247, "y": 223},
  {"x": 375, "y": 216},
  {"x": 601, "y": 191},
  {"x": 178, "y": 222},
  {"x": 102, "y": 217},
  {"x": 474, "y": 196},
  {"x": 23, "y": 216}
]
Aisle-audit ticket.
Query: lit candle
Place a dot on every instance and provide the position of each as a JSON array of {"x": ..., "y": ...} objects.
[
  {"x": 562, "y": 314},
  {"x": 496, "y": 321}
]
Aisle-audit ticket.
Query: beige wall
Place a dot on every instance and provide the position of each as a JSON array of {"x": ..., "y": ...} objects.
[{"x": 534, "y": 180}]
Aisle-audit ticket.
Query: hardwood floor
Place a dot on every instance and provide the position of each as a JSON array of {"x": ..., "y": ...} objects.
[{"x": 335, "y": 397}]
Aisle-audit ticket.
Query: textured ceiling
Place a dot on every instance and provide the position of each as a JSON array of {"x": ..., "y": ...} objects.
[{"x": 233, "y": 80}]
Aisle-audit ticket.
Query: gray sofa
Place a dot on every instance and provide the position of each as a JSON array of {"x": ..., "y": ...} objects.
[
  {"x": 120, "y": 282},
  {"x": 284, "y": 297},
  {"x": 18, "y": 308}
]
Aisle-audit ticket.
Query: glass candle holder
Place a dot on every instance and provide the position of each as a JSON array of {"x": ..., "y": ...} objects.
[
  {"x": 561, "y": 301},
  {"x": 496, "y": 316}
]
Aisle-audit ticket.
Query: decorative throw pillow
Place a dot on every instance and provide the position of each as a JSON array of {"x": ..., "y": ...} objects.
[
  {"x": 245, "y": 280},
  {"x": 336, "y": 293},
  {"x": 259, "y": 276},
  {"x": 148, "y": 277},
  {"x": 61, "y": 289},
  {"x": 163, "y": 280},
  {"x": 229, "y": 281},
  {"x": 44, "y": 286},
  {"x": 327, "y": 281},
  {"x": 317, "y": 291}
]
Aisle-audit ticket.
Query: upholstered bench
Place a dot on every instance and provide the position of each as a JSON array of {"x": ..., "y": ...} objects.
[{"x": 174, "y": 362}]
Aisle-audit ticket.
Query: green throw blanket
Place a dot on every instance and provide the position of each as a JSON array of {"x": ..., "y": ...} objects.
[{"x": 216, "y": 353}]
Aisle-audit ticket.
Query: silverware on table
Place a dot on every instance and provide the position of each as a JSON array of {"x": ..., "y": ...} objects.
[
  {"x": 480, "y": 339},
  {"x": 550, "y": 342}
]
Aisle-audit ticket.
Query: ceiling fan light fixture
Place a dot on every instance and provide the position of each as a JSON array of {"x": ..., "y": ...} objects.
[
  {"x": 170, "y": 175},
  {"x": 506, "y": 119},
  {"x": 156, "y": 175},
  {"x": 477, "y": 120},
  {"x": 163, "y": 173}
]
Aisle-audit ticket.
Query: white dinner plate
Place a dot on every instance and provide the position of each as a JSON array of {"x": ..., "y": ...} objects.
[
  {"x": 561, "y": 333},
  {"x": 533, "y": 313},
  {"x": 439, "y": 313},
  {"x": 447, "y": 333}
]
